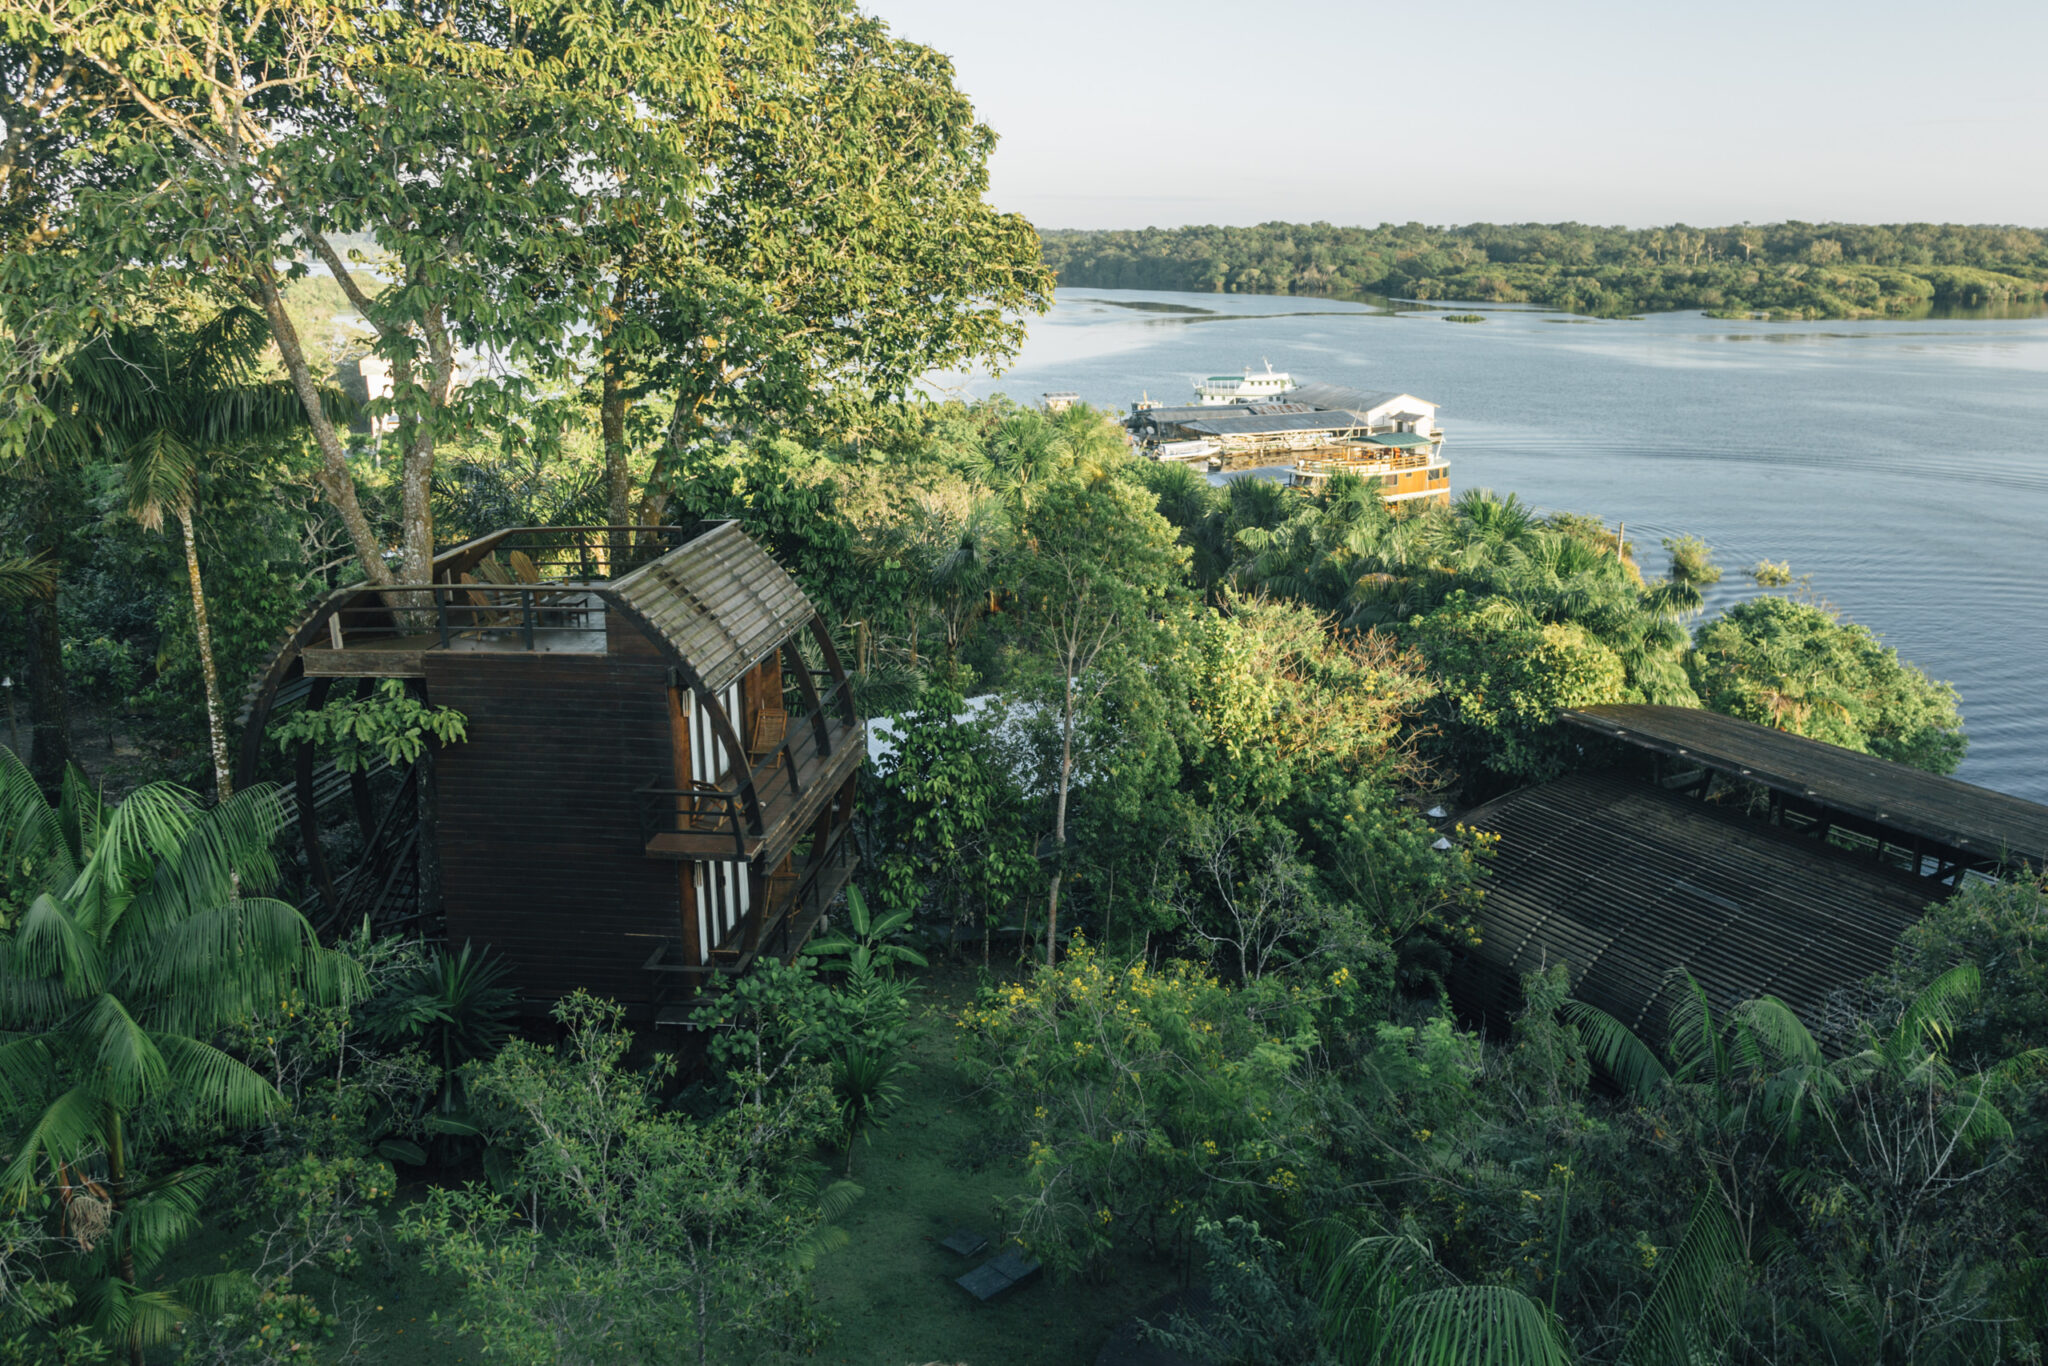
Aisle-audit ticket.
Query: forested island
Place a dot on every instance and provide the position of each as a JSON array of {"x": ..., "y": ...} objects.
[
  {"x": 1139, "y": 1001},
  {"x": 1786, "y": 270}
]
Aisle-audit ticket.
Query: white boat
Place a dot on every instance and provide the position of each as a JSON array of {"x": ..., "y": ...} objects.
[
  {"x": 1250, "y": 387},
  {"x": 1185, "y": 450}
]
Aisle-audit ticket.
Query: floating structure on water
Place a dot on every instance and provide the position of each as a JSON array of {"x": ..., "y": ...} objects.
[
  {"x": 1391, "y": 438},
  {"x": 1250, "y": 387}
]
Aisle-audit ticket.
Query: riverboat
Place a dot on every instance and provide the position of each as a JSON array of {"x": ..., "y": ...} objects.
[{"x": 1250, "y": 387}]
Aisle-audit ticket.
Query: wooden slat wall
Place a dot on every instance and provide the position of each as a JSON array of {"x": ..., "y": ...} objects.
[{"x": 538, "y": 836}]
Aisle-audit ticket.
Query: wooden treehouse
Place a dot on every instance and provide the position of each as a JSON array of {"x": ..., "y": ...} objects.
[{"x": 658, "y": 774}]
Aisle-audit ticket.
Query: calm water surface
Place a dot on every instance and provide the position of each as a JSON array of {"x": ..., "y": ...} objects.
[{"x": 1902, "y": 465}]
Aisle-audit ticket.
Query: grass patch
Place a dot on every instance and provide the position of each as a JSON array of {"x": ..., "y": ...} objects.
[{"x": 939, "y": 1165}]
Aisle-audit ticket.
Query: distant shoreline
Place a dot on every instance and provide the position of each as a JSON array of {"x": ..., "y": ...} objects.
[{"x": 1774, "y": 272}]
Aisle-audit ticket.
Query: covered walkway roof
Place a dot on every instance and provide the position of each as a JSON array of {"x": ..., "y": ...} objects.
[
  {"x": 1985, "y": 826},
  {"x": 1628, "y": 884}
]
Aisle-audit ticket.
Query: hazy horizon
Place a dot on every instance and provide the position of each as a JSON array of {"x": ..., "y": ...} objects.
[{"x": 1143, "y": 114}]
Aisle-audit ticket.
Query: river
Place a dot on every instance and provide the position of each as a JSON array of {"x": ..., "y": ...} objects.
[{"x": 1901, "y": 466}]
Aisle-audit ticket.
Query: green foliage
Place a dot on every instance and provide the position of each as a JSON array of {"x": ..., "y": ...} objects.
[
  {"x": 458, "y": 1006},
  {"x": 949, "y": 820},
  {"x": 1790, "y": 269},
  {"x": 2003, "y": 927},
  {"x": 1504, "y": 683},
  {"x": 1799, "y": 667},
  {"x": 1150, "y": 1099},
  {"x": 635, "y": 1233},
  {"x": 142, "y": 942},
  {"x": 390, "y": 724},
  {"x": 867, "y": 943}
]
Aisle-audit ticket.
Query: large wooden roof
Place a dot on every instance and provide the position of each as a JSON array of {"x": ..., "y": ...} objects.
[
  {"x": 1976, "y": 820},
  {"x": 1626, "y": 883},
  {"x": 720, "y": 600}
]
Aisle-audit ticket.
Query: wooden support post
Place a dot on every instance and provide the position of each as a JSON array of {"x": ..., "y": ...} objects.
[
  {"x": 309, "y": 815},
  {"x": 793, "y": 660},
  {"x": 358, "y": 780}
]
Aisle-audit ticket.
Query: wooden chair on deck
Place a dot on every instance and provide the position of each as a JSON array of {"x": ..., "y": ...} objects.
[{"x": 771, "y": 727}]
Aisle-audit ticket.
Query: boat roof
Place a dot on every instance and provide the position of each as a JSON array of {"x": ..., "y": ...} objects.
[
  {"x": 1363, "y": 400},
  {"x": 1402, "y": 440},
  {"x": 1260, "y": 424}
]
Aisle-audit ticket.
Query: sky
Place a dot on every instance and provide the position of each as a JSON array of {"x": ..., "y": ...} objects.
[{"x": 1136, "y": 113}]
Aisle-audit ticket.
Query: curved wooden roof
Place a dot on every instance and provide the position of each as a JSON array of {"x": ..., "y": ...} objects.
[
  {"x": 719, "y": 600},
  {"x": 1976, "y": 820},
  {"x": 1626, "y": 882}
]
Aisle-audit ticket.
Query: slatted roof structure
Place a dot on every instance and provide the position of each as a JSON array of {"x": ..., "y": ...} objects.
[
  {"x": 1225, "y": 423},
  {"x": 1628, "y": 883},
  {"x": 720, "y": 600},
  {"x": 1337, "y": 396},
  {"x": 1973, "y": 825}
]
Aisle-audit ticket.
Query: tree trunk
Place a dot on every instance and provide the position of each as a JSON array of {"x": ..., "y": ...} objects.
[
  {"x": 336, "y": 479},
  {"x": 117, "y": 1190},
  {"x": 1059, "y": 823},
  {"x": 611, "y": 420},
  {"x": 216, "y": 724},
  {"x": 49, "y": 746}
]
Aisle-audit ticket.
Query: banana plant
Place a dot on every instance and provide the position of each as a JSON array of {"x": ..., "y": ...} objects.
[{"x": 866, "y": 942}]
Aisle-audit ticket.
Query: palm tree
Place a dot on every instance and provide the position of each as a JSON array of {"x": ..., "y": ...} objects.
[
  {"x": 211, "y": 403},
  {"x": 1753, "y": 1093},
  {"x": 140, "y": 943},
  {"x": 1385, "y": 1301}
]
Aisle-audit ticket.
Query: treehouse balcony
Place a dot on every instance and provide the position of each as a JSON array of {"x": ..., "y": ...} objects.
[
  {"x": 798, "y": 765},
  {"x": 521, "y": 590}
]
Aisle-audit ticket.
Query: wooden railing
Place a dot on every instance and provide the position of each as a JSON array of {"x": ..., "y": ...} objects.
[
  {"x": 723, "y": 808},
  {"x": 527, "y": 616}
]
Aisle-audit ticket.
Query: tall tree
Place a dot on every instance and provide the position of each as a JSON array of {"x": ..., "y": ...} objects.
[
  {"x": 210, "y": 403},
  {"x": 1103, "y": 566},
  {"x": 841, "y": 248},
  {"x": 245, "y": 145}
]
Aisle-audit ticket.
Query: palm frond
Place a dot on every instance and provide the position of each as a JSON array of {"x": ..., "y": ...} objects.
[
  {"x": 1688, "y": 1311},
  {"x": 1472, "y": 1325},
  {"x": 129, "y": 1065},
  {"x": 215, "y": 1083},
  {"x": 27, "y": 576},
  {"x": 1931, "y": 1015},
  {"x": 244, "y": 951},
  {"x": 1696, "y": 1036},
  {"x": 161, "y": 1215},
  {"x": 49, "y": 942},
  {"x": 29, "y": 826},
  {"x": 162, "y": 471},
  {"x": 67, "y": 1129},
  {"x": 1618, "y": 1052}
]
